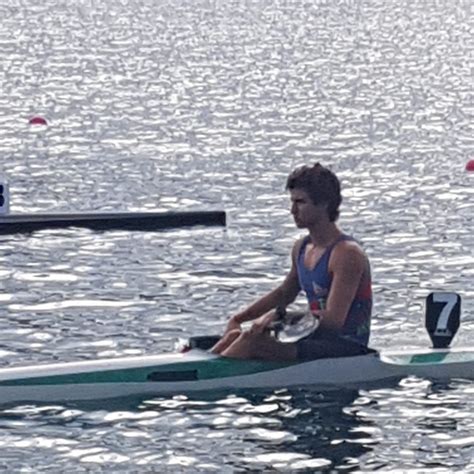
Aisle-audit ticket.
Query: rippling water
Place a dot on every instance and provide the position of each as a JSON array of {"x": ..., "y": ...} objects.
[{"x": 209, "y": 104}]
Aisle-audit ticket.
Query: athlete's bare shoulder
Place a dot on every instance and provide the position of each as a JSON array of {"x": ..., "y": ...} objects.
[
  {"x": 349, "y": 252},
  {"x": 350, "y": 245}
]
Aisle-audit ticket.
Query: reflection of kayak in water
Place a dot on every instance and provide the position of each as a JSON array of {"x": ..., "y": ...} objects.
[{"x": 199, "y": 370}]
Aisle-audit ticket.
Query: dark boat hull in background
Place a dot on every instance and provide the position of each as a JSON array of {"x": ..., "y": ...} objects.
[{"x": 141, "y": 221}]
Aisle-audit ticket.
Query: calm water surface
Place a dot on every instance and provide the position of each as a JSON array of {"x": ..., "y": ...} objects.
[{"x": 208, "y": 105}]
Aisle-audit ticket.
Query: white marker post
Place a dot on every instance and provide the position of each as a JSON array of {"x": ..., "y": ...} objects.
[{"x": 4, "y": 197}]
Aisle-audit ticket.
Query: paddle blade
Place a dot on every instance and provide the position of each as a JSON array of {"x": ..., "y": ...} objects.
[
  {"x": 301, "y": 326},
  {"x": 442, "y": 318}
]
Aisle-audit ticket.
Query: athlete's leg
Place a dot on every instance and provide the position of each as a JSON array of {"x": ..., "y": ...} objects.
[
  {"x": 226, "y": 341},
  {"x": 260, "y": 346}
]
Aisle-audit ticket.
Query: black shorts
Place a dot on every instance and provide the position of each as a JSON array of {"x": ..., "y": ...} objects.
[{"x": 317, "y": 346}]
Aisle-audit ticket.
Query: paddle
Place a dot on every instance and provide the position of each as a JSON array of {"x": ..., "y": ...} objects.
[{"x": 293, "y": 326}]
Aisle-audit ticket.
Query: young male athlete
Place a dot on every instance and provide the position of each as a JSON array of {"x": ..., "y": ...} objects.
[{"x": 329, "y": 266}]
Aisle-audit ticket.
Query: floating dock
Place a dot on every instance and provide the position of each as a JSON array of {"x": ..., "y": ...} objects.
[{"x": 141, "y": 221}]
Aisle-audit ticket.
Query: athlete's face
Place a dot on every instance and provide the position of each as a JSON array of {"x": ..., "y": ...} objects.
[{"x": 305, "y": 213}]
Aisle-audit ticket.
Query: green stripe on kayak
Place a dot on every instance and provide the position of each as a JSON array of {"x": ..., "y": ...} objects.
[
  {"x": 435, "y": 357},
  {"x": 432, "y": 358},
  {"x": 183, "y": 371}
]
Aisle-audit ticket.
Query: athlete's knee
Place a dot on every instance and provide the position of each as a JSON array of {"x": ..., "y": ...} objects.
[
  {"x": 242, "y": 347},
  {"x": 231, "y": 336},
  {"x": 242, "y": 340},
  {"x": 226, "y": 340},
  {"x": 234, "y": 333}
]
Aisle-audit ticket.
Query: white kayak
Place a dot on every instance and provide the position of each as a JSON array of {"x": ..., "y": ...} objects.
[{"x": 199, "y": 370}]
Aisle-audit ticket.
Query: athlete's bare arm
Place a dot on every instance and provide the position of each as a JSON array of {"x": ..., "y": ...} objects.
[{"x": 348, "y": 265}]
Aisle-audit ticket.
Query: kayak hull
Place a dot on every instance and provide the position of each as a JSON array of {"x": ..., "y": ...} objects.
[{"x": 199, "y": 370}]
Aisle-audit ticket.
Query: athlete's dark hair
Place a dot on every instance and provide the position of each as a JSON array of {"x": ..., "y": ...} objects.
[{"x": 321, "y": 184}]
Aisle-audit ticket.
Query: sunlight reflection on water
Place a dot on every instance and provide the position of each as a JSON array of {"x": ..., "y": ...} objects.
[{"x": 209, "y": 105}]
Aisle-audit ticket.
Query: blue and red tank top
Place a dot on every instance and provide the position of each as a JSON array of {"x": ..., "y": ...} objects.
[{"x": 316, "y": 283}]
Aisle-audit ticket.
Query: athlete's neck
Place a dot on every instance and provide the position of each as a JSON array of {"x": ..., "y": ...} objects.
[{"x": 323, "y": 236}]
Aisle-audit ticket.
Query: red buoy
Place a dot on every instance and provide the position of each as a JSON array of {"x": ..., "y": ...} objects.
[
  {"x": 38, "y": 121},
  {"x": 470, "y": 165}
]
